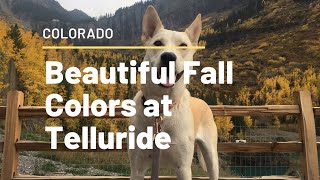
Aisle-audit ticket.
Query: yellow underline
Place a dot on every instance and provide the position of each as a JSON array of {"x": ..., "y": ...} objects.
[{"x": 123, "y": 47}]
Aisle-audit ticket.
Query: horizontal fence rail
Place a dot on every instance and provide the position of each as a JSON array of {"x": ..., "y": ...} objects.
[
  {"x": 221, "y": 110},
  {"x": 222, "y": 147},
  {"x": 216, "y": 110}
]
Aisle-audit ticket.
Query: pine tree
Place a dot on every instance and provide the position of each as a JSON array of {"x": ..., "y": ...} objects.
[{"x": 15, "y": 35}]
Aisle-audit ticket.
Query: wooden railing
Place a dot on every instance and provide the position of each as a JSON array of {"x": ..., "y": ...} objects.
[{"x": 14, "y": 113}]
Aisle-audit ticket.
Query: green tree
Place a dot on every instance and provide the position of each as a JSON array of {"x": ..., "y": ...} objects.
[{"x": 15, "y": 35}]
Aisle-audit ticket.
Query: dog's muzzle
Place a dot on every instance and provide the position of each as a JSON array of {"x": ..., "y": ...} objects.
[{"x": 166, "y": 58}]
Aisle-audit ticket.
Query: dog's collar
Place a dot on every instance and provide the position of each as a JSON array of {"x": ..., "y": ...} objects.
[{"x": 174, "y": 102}]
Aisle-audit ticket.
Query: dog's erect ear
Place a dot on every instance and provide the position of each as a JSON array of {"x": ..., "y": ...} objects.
[
  {"x": 194, "y": 30},
  {"x": 151, "y": 24}
]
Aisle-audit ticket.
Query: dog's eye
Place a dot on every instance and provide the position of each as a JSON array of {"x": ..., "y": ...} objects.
[
  {"x": 158, "y": 43},
  {"x": 183, "y": 44}
]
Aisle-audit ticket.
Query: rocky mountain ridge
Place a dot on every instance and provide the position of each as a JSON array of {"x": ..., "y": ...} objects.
[{"x": 126, "y": 22}]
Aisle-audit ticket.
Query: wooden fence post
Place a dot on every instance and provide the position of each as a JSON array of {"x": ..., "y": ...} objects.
[
  {"x": 12, "y": 135},
  {"x": 308, "y": 136},
  {"x": 12, "y": 76}
]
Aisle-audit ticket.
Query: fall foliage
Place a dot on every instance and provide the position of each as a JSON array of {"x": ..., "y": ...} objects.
[{"x": 25, "y": 48}]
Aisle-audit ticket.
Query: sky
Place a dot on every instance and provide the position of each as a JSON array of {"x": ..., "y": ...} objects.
[{"x": 96, "y": 8}]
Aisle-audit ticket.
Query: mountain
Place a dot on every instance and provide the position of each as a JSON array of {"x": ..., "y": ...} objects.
[
  {"x": 126, "y": 22},
  {"x": 45, "y": 11},
  {"x": 4, "y": 6},
  {"x": 7, "y": 15},
  {"x": 79, "y": 15}
]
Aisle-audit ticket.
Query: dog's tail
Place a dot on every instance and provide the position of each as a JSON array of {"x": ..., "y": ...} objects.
[{"x": 201, "y": 159}]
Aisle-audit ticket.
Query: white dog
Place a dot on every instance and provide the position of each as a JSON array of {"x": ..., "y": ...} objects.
[{"x": 191, "y": 121}]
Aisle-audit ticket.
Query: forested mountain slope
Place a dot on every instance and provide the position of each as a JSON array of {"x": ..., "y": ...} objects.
[{"x": 275, "y": 49}]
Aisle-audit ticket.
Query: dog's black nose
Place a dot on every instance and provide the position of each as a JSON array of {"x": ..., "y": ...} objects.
[{"x": 167, "y": 57}]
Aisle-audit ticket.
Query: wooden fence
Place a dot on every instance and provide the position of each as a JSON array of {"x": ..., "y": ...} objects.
[{"x": 15, "y": 112}]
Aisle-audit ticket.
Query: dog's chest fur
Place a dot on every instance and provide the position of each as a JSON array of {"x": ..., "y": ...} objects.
[
  {"x": 179, "y": 126},
  {"x": 180, "y": 121}
]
